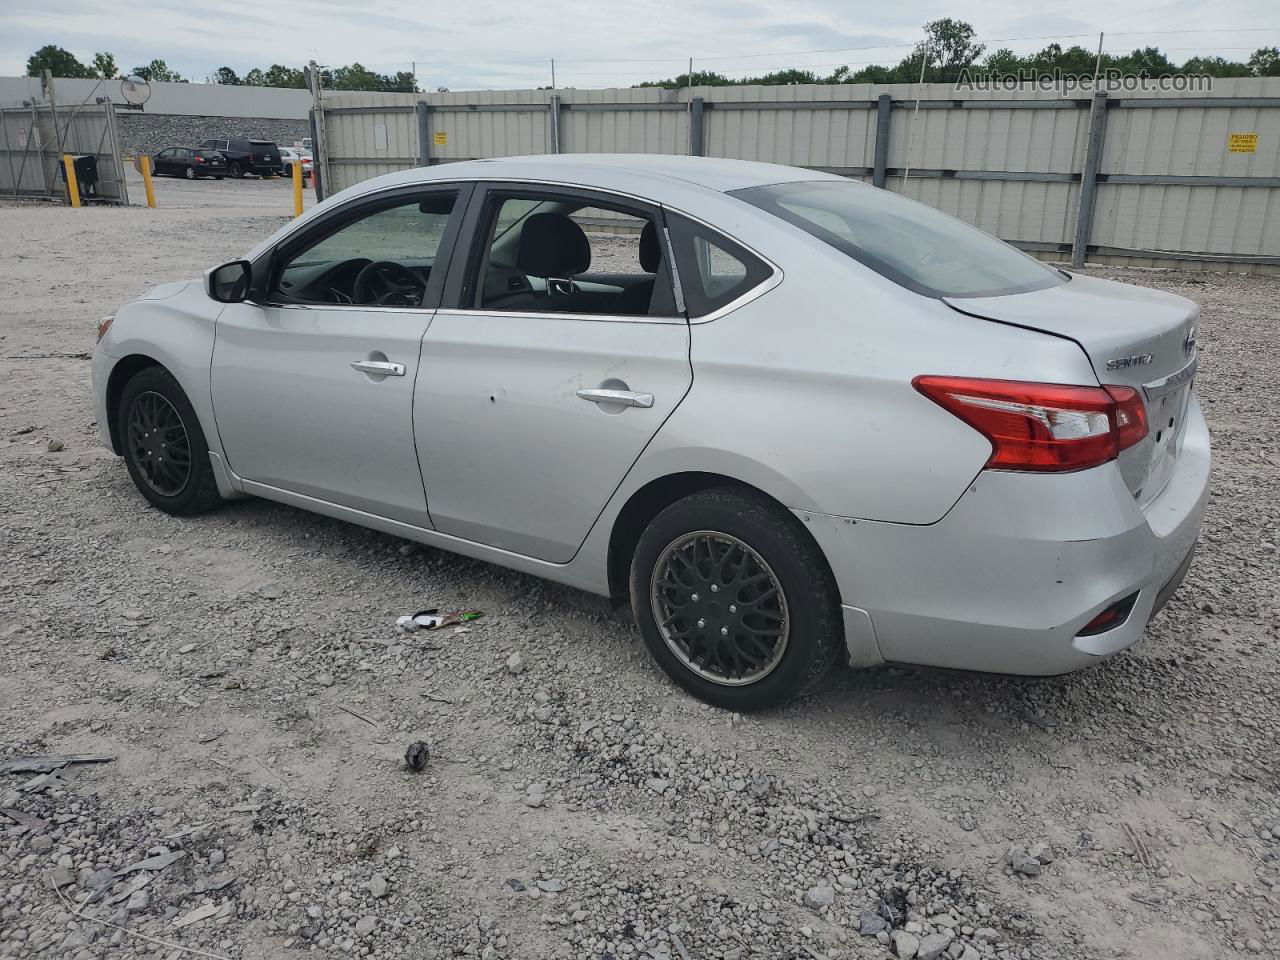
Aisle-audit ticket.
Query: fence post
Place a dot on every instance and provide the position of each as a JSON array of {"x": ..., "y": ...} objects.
[
  {"x": 423, "y": 110},
  {"x": 113, "y": 138},
  {"x": 880, "y": 172},
  {"x": 553, "y": 108},
  {"x": 697, "y": 141},
  {"x": 1089, "y": 177}
]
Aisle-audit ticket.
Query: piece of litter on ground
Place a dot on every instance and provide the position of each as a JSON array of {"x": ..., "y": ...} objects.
[
  {"x": 358, "y": 716},
  {"x": 27, "y": 820},
  {"x": 158, "y": 862},
  {"x": 48, "y": 764},
  {"x": 203, "y": 912},
  {"x": 417, "y": 756},
  {"x": 132, "y": 887}
]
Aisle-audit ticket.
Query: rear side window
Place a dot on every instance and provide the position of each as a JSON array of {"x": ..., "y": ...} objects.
[
  {"x": 904, "y": 241},
  {"x": 714, "y": 270}
]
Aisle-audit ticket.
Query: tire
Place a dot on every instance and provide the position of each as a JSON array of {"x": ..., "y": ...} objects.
[
  {"x": 793, "y": 637},
  {"x": 235, "y": 170},
  {"x": 190, "y": 173},
  {"x": 155, "y": 395},
  {"x": 219, "y": 177}
]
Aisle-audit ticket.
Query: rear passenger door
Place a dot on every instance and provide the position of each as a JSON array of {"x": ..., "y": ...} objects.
[{"x": 557, "y": 355}]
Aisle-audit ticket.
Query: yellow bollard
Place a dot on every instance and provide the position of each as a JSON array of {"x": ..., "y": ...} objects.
[
  {"x": 297, "y": 187},
  {"x": 73, "y": 185},
  {"x": 145, "y": 167}
]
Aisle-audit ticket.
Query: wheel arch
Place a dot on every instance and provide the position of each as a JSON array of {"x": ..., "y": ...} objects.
[
  {"x": 124, "y": 371},
  {"x": 652, "y": 498}
]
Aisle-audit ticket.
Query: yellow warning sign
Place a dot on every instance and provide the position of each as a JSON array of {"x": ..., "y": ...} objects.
[
  {"x": 442, "y": 138},
  {"x": 1236, "y": 142}
]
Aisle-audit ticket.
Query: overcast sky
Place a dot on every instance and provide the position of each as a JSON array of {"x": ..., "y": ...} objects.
[{"x": 597, "y": 43}]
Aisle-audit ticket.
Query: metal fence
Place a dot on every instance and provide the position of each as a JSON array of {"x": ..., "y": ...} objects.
[
  {"x": 1126, "y": 177},
  {"x": 35, "y": 135}
]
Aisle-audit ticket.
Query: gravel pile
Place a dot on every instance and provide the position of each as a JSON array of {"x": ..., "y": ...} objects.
[{"x": 245, "y": 671}]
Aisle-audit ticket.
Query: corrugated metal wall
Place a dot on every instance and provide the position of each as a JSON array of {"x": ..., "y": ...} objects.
[{"x": 1010, "y": 163}]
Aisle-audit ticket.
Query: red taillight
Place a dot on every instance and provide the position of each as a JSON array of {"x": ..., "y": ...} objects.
[
  {"x": 199, "y": 159},
  {"x": 1043, "y": 426}
]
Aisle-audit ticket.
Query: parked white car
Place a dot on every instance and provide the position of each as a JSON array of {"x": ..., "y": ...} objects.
[
  {"x": 804, "y": 419},
  {"x": 290, "y": 156}
]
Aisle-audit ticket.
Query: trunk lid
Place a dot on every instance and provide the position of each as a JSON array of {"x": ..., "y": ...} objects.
[{"x": 1132, "y": 336}]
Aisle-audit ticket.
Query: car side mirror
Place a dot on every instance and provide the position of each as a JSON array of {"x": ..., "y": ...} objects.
[{"x": 230, "y": 282}]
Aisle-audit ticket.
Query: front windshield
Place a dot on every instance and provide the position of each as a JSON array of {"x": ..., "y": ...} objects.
[{"x": 907, "y": 242}]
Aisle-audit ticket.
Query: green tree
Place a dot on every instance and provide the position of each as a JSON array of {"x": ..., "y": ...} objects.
[
  {"x": 1215, "y": 67},
  {"x": 701, "y": 78},
  {"x": 59, "y": 62},
  {"x": 281, "y": 76},
  {"x": 157, "y": 71},
  {"x": 225, "y": 76},
  {"x": 1265, "y": 62},
  {"x": 104, "y": 66},
  {"x": 875, "y": 73},
  {"x": 950, "y": 46},
  {"x": 781, "y": 77}
]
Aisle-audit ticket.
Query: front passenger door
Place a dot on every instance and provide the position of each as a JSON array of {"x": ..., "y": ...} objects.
[{"x": 313, "y": 378}]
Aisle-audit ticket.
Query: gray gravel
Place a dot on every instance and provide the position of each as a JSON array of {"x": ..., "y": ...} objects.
[{"x": 245, "y": 671}]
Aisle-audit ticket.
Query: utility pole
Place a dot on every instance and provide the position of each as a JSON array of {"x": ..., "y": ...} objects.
[{"x": 553, "y": 73}]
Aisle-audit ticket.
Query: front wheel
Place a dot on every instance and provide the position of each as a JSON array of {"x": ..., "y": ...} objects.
[
  {"x": 164, "y": 446},
  {"x": 735, "y": 600}
]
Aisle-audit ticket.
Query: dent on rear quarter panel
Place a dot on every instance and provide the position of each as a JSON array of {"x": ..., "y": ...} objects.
[
  {"x": 177, "y": 332},
  {"x": 812, "y": 382}
]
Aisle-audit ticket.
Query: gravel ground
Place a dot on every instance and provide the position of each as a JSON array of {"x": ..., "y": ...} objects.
[{"x": 244, "y": 671}]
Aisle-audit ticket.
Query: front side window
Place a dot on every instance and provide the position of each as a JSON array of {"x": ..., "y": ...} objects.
[
  {"x": 904, "y": 241},
  {"x": 544, "y": 253},
  {"x": 383, "y": 258}
]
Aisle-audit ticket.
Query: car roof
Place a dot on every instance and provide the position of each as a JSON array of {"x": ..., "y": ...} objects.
[{"x": 606, "y": 170}]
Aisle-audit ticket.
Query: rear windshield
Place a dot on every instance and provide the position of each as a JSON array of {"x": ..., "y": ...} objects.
[
  {"x": 209, "y": 153},
  {"x": 907, "y": 242}
]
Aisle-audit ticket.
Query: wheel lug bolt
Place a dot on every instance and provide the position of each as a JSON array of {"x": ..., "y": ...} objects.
[
  {"x": 724, "y": 631},
  {"x": 733, "y": 608},
  {"x": 715, "y": 588},
  {"x": 694, "y": 598},
  {"x": 701, "y": 624}
]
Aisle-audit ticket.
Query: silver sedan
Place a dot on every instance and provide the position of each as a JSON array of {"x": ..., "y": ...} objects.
[{"x": 791, "y": 418}]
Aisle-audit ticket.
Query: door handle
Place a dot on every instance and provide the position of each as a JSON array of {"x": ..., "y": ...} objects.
[
  {"x": 626, "y": 398},
  {"x": 378, "y": 368}
]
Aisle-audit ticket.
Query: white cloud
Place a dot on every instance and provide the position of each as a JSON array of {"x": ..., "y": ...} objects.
[{"x": 501, "y": 43}]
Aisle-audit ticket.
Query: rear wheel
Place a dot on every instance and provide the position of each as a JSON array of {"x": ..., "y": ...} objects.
[
  {"x": 235, "y": 169},
  {"x": 735, "y": 600},
  {"x": 190, "y": 173},
  {"x": 164, "y": 446}
]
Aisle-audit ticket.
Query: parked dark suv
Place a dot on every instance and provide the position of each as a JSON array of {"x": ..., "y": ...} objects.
[
  {"x": 189, "y": 162},
  {"x": 248, "y": 156}
]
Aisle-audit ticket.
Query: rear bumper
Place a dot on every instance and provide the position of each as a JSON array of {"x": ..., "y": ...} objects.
[{"x": 1008, "y": 578}]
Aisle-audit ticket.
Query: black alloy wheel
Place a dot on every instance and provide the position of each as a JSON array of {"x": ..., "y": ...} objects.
[
  {"x": 159, "y": 444},
  {"x": 163, "y": 444},
  {"x": 735, "y": 600}
]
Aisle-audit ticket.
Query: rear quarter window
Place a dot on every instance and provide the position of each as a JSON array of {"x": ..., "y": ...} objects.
[{"x": 714, "y": 270}]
